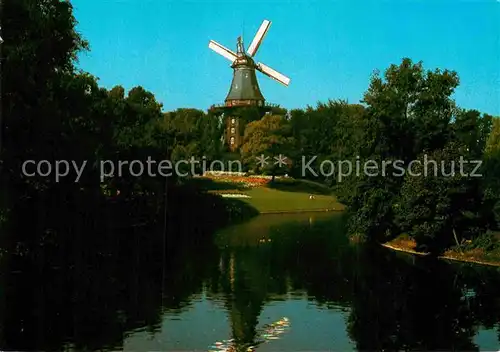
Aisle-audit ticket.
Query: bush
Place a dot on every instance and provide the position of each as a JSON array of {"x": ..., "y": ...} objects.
[{"x": 487, "y": 241}]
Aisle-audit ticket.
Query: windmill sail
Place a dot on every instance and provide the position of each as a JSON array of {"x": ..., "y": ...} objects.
[
  {"x": 273, "y": 74},
  {"x": 259, "y": 37},
  {"x": 222, "y": 50}
]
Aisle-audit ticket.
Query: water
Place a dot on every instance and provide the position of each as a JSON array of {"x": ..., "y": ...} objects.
[{"x": 336, "y": 296}]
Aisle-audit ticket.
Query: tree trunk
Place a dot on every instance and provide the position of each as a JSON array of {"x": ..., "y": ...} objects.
[{"x": 456, "y": 241}]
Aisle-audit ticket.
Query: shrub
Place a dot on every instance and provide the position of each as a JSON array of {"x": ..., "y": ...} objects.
[{"x": 487, "y": 241}]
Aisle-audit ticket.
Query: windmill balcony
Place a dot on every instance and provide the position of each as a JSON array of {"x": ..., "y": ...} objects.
[
  {"x": 225, "y": 105},
  {"x": 245, "y": 102}
]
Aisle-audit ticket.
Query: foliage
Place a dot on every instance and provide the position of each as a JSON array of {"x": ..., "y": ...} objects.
[
  {"x": 487, "y": 241},
  {"x": 493, "y": 141},
  {"x": 329, "y": 131},
  {"x": 197, "y": 132},
  {"x": 492, "y": 172},
  {"x": 409, "y": 115},
  {"x": 270, "y": 137},
  {"x": 55, "y": 112},
  {"x": 445, "y": 203}
]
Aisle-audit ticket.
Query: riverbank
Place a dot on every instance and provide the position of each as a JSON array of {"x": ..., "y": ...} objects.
[{"x": 477, "y": 255}]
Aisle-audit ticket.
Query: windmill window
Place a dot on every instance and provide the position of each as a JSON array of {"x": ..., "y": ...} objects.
[
  {"x": 232, "y": 140},
  {"x": 232, "y": 130},
  {"x": 233, "y": 121}
]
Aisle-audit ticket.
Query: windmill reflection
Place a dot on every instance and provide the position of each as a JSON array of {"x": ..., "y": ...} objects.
[
  {"x": 247, "y": 284},
  {"x": 245, "y": 293}
]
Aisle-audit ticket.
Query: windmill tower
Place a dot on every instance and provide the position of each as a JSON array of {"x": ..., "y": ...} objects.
[{"x": 244, "y": 90}]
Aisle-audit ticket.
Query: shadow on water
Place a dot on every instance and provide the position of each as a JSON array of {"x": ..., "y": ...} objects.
[
  {"x": 92, "y": 288},
  {"x": 78, "y": 275}
]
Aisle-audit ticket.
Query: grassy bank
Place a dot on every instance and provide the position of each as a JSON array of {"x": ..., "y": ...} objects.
[
  {"x": 471, "y": 252},
  {"x": 269, "y": 200},
  {"x": 280, "y": 196}
]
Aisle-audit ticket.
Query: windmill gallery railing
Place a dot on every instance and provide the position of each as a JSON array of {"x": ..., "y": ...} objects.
[{"x": 221, "y": 106}]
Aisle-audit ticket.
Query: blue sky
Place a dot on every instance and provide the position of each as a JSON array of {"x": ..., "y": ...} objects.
[{"x": 328, "y": 48}]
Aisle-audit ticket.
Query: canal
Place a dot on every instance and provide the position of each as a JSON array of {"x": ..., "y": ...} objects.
[{"x": 275, "y": 283}]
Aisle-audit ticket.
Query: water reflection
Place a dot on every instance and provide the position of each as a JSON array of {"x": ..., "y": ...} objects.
[{"x": 120, "y": 294}]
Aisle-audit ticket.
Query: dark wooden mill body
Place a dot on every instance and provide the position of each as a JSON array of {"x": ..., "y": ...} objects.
[{"x": 244, "y": 90}]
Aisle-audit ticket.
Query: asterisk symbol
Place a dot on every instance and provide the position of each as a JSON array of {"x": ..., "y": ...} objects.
[
  {"x": 262, "y": 160},
  {"x": 280, "y": 160}
]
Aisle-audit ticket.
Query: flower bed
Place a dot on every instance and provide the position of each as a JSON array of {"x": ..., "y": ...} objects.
[
  {"x": 247, "y": 182},
  {"x": 222, "y": 173}
]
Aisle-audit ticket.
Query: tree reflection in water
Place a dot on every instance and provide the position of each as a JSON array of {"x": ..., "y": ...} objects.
[{"x": 105, "y": 285}]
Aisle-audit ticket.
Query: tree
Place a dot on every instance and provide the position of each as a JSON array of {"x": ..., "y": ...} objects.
[
  {"x": 331, "y": 131},
  {"x": 198, "y": 132},
  {"x": 493, "y": 141},
  {"x": 491, "y": 168},
  {"x": 471, "y": 130},
  {"x": 440, "y": 200},
  {"x": 408, "y": 112},
  {"x": 269, "y": 136},
  {"x": 40, "y": 55}
]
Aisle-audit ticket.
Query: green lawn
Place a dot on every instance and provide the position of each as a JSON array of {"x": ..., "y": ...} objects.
[
  {"x": 267, "y": 200},
  {"x": 302, "y": 186},
  {"x": 285, "y": 195}
]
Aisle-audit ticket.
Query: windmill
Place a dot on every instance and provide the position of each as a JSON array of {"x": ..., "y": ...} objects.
[{"x": 244, "y": 90}]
